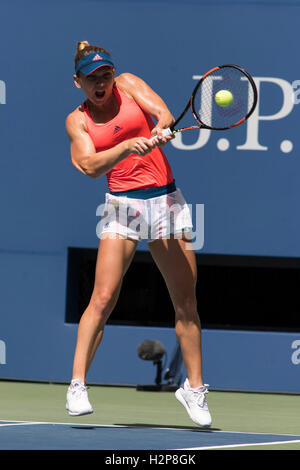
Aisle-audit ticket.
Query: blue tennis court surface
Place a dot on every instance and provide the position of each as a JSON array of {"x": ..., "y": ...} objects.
[{"x": 62, "y": 436}]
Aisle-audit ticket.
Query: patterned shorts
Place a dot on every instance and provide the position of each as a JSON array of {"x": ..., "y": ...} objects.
[{"x": 145, "y": 219}]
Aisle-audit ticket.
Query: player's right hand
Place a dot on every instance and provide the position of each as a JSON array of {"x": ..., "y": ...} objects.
[{"x": 140, "y": 146}]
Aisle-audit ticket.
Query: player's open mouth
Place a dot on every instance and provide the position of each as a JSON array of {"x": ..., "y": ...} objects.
[{"x": 99, "y": 94}]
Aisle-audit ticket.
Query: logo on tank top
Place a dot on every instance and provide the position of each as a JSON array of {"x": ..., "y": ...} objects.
[{"x": 117, "y": 129}]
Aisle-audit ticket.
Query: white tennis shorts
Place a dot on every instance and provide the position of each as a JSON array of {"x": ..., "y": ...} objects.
[{"x": 145, "y": 219}]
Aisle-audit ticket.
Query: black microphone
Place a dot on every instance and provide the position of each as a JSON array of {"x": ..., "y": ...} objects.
[{"x": 151, "y": 350}]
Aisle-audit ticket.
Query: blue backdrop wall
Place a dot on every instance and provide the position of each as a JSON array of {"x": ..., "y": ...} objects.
[{"x": 250, "y": 191}]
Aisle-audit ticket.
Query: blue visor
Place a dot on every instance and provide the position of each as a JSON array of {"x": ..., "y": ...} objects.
[{"x": 92, "y": 62}]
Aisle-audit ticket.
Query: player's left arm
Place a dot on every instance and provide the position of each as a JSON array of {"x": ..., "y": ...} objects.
[{"x": 148, "y": 100}]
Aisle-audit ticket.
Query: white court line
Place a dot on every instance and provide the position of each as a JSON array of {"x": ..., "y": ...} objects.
[
  {"x": 22, "y": 423},
  {"x": 95, "y": 425},
  {"x": 203, "y": 430},
  {"x": 18, "y": 423},
  {"x": 240, "y": 445}
]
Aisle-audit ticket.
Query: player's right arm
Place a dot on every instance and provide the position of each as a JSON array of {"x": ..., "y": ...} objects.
[{"x": 94, "y": 164}]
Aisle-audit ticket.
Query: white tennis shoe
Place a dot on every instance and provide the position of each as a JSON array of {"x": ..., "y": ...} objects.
[
  {"x": 194, "y": 401},
  {"x": 77, "y": 399}
]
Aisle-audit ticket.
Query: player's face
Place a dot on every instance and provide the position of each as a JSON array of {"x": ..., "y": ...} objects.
[{"x": 98, "y": 85}]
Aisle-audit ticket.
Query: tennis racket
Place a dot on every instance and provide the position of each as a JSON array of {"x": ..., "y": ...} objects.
[{"x": 210, "y": 115}]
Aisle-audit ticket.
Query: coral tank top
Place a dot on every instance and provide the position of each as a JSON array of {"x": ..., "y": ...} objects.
[{"x": 134, "y": 172}]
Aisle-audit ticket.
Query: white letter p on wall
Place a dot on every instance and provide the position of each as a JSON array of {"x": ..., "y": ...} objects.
[
  {"x": 2, "y": 352},
  {"x": 2, "y": 92}
]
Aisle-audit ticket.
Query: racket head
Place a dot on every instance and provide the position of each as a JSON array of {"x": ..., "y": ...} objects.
[{"x": 233, "y": 78}]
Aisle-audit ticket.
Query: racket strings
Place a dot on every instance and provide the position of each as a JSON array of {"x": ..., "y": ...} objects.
[{"x": 215, "y": 116}]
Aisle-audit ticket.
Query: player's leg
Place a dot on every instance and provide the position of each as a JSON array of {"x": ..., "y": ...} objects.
[
  {"x": 94, "y": 349},
  {"x": 179, "y": 269},
  {"x": 114, "y": 258},
  {"x": 129, "y": 250}
]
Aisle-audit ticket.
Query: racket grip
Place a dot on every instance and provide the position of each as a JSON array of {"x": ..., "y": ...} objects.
[{"x": 165, "y": 133}]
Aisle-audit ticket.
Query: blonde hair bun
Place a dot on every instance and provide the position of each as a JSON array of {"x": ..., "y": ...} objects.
[{"x": 82, "y": 45}]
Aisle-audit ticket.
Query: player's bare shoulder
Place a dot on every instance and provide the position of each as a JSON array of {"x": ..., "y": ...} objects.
[
  {"x": 127, "y": 82},
  {"x": 75, "y": 122},
  {"x": 126, "y": 79}
]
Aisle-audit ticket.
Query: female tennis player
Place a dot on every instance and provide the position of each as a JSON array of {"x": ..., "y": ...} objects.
[{"x": 112, "y": 133}]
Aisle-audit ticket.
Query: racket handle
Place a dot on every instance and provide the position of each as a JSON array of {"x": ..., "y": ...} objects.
[{"x": 165, "y": 133}]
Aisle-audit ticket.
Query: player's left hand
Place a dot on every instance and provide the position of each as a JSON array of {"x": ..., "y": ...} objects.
[{"x": 158, "y": 138}]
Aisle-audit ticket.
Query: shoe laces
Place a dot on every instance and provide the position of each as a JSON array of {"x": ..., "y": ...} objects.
[
  {"x": 78, "y": 389},
  {"x": 200, "y": 395}
]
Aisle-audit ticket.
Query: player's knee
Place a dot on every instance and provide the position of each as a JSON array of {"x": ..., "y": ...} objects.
[
  {"x": 186, "y": 309},
  {"x": 102, "y": 303}
]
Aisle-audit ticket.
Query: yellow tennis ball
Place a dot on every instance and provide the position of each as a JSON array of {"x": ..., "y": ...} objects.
[{"x": 223, "y": 98}]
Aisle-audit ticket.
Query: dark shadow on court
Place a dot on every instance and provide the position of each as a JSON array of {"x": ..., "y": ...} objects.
[
  {"x": 88, "y": 427},
  {"x": 187, "y": 428}
]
